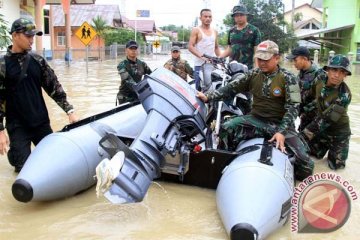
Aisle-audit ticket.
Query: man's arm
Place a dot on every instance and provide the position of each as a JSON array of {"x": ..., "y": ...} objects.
[
  {"x": 52, "y": 86},
  {"x": 217, "y": 49},
  {"x": 292, "y": 103},
  {"x": 192, "y": 42},
  {"x": 125, "y": 77},
  {"x": 189, "y": 69}
]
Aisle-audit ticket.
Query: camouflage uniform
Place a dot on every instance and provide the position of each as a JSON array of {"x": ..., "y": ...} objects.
[
  {"x": 330, "y": 128},
  {"x": 180, "y": 67},
  {"x": 22, "y": 103},
  {"x": 242, "y": 43},
  {"x": 275, "y": 108},
  {"x": 130, "y": 73},
  {"x": 306, "y": 80}
]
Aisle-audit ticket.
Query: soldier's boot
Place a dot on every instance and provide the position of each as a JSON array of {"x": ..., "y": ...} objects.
[
  {"x": 303, "y": 169},
  {"x": 335, "y": 164}
]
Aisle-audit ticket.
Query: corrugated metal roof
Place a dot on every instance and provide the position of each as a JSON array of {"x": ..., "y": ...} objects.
[
  {"x": 325, "y": 30},
  {"x": 145, "y": 26},
  {"x": 81, "y": 13}
]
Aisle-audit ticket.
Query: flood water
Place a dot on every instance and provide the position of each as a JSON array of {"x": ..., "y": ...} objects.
[{"x": 169, "y": 211}]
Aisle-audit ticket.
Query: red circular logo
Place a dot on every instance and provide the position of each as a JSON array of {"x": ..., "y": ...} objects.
[{"x": 326, "y": 206}]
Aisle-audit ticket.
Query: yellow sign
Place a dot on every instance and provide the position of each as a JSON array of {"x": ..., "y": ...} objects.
[
  {"x": 86, "y": 33},
  {"x": 156, "y": 44}
]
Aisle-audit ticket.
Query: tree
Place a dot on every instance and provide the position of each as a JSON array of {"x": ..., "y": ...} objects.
[
  {"x": 268, "y": 16},
  {"x": 120, "y": 36},
  {"x": 99, "y": 26},
  {"x": 4, "y": 36}
]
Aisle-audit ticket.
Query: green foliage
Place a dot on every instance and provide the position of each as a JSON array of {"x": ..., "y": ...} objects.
[
  {"x": 268, "y": 16},
  {"x": 99, "y": 25},
  {"x": 298, "y": 17},
  {"x": 4, "y": 35},
  {"x": 121, "y": 36}
]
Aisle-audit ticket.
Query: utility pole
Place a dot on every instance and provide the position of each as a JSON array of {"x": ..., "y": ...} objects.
[{"x": 292, "y": 13}]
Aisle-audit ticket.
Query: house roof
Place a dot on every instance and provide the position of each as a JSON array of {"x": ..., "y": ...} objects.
[
  {"x": 300, "y": 24},
  {"x": 145, "y": 26},
  {"x": 317, "y": 3},
  {"x": 53, "y": 2},
  {"x": 324, "y": 30},
  {"x": 81, "y": 13},
  {"x": 304, "y": 5}
]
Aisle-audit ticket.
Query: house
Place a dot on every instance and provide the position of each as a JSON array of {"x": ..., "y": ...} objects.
[
  {"x": 33, "y": 9},
  {"x": 310, "y": 20},
  {"x": 341, "y": 22},
  {"x": 144, "y": 26},
  {"x": 80, "y": 14}
]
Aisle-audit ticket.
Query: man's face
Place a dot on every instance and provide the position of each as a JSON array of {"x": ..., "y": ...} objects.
[
  {"x": 269, "y": 66},
  {"x": 131, "y": 52},
  {"x": 22, "y": 41},
  {"x": 175, "y": 54},
  {"x": 206, "y": 18},
  {"x": 299, "y": 62},
  {"x": 240, "y": 18},
  {"x": 335, "y": 76}
]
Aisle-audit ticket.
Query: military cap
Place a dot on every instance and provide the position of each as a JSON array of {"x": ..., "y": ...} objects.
[
  {"x": 26, "y": 26},
  {"x": 339, "y": 61},
  {"x": 175, "y": 48},
  {"x": 266, "y": 49},
  {"x": 299, "y": 51},
  {"x": 239, "y": 9},
  {"x": 131, "y": 44}
]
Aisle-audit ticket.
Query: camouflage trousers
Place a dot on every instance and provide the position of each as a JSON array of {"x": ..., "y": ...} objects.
[
  {"x": 123, "y": 98},
  {"x": 248, "y": 126},
  {"x": 338, "y": 147},
  {"x": 305, "y": 119}
]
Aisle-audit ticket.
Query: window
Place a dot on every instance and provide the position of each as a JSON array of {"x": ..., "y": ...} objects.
[
  {"x": 358, "y": 52},
  {"x": 314, "y": 26},
  {"x": 46, "y": 22},
  {"x": 307, "y": 26},
  {"x": 61, "y": 39}
]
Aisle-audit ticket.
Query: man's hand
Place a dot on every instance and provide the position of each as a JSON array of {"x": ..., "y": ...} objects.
[
  {"x": 280, "y": 141},
  {"x": 4, "y": 142},
  {"x": 202, "y": 97},
  {"x": 73, "y": 117}
]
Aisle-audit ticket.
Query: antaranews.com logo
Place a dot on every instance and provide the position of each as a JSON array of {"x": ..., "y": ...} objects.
[{"x": 321, "y": 203}]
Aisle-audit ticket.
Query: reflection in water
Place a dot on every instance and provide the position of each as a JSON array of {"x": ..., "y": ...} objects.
[{"x": 169, "y": 211}]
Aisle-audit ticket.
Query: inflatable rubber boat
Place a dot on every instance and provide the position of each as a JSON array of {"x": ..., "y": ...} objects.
[{"x": 165, "y": 138}]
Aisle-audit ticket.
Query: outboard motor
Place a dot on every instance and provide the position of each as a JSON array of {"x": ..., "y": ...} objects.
[{"x": 174, "y": 115}]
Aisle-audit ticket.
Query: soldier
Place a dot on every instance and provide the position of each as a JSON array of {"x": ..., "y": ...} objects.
[
  {"x": 276, "y": 100},
  {"x": 179, "y": 66},
  {"x": 131, "y": 72},
  {"x": 203, "y": 40},
  {"x": 22, "y": 77},
  {"x": 242, "y": 38},
  {"x": 308, "y": 72},
  {"x": 330, "y": 128}
]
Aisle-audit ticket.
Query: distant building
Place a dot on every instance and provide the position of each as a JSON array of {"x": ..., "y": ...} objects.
[
  {"x": 80, "y": 14},
  {"x": 341, "y": 27},
  {"x": 310, "y": 20}
]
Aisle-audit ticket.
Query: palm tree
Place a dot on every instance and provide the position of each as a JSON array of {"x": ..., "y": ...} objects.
[
  {"x": 99, "y": 24},
  {"x": 4, "y": 37}
]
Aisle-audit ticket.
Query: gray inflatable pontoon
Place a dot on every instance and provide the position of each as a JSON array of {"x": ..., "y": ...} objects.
[
  {"x": 254, "y": 184},
  {"x": 64, "y": 163}
]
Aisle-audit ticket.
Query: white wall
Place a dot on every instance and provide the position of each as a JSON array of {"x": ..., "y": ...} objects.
[{"x": 11, "y": 10}]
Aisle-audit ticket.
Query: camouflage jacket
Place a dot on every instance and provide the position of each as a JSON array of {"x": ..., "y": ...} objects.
[
  {"x": 331, "y": 104},
  {"x": 180, "y": 67},
  {"x": 131, "y": 73},
  {"x": 306, "y": 78},
  {"x": 276, "y": 96},
  {"x": 242, "y": 43},
  {"x": 49, "y": 81}
]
